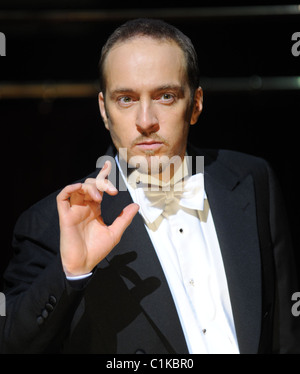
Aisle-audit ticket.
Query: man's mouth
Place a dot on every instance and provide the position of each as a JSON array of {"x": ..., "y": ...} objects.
[{"x": 150, "y": 145}]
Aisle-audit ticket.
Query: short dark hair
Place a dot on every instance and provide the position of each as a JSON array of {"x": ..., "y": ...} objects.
[{"x": 156, "y": 29}]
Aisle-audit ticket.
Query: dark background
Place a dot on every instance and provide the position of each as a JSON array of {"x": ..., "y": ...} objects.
[{"x": 251, "y": 95}]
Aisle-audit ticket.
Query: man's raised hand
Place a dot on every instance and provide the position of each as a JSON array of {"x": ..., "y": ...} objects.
[{"x": 84, "y": 238}]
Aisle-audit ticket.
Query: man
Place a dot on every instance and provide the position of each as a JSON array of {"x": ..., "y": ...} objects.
[{"x": 205, "y": 267}]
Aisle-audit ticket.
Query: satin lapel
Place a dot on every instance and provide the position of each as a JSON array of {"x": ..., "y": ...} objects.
[
  {"x": 232, "y": 203},
  {"x": 144, "y": 276}
]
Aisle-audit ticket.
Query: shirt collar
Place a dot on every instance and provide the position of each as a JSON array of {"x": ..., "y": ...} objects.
[{"x": 137, "y": 183}]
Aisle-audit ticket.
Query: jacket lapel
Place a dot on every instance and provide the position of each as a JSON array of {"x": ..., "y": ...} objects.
[
  {"x": 144, "y": 276},
  {"x": 232, "y": 203}
]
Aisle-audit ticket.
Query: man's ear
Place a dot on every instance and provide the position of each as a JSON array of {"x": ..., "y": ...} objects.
[
  {"x": 197, "y": 105},
  {"x": 103, "y": 110}
]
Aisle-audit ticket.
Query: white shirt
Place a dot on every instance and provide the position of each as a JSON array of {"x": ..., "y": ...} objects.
[{"x": 187, "y": 246}]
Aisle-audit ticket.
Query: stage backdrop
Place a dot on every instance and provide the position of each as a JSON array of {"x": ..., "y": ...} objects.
[{"x": 52, "y": 133}]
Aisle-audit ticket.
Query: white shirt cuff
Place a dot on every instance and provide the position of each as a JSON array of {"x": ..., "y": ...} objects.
[{"x": 78, "y": 277}]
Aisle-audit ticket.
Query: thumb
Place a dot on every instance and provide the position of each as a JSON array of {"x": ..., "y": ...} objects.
[{"x": 121, "y": 223}]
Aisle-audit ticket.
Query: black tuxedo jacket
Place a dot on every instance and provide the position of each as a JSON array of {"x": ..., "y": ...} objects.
[{"x": 126, "y": 305}]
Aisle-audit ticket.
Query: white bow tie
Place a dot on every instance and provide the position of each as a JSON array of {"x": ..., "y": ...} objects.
[{"x": 189, "y": 194}]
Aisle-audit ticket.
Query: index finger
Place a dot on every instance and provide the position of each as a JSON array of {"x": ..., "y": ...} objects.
[{"x": 102, "y": 183}]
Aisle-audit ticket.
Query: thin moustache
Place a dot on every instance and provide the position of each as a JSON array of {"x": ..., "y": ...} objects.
[{"x": 149, "y": 139}]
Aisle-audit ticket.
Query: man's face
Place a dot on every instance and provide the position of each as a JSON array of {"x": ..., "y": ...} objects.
[{"x": 147, "y": 102}]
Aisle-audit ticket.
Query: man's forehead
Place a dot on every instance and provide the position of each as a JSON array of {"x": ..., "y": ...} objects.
[
  {"x": 145, "y": 56},
  {"x": 145, "y": 39}
]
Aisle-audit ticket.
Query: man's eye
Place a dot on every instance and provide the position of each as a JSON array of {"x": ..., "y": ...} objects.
[
  {"x": 167, "y": 98},
  {"x": 125, "y": 100}
]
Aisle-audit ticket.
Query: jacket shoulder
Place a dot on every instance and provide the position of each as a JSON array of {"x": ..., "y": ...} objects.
[
  {"x": 238, "y": 163},
  {"x": 242, "y": 163}
]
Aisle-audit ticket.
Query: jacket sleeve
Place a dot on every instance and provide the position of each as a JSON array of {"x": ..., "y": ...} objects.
[
  {"x": 286, "y": 336},
  {"x": 40, "y": 302}
]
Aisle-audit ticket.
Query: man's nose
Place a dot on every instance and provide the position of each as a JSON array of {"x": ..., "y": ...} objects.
[{"x": 146, "y": 121}]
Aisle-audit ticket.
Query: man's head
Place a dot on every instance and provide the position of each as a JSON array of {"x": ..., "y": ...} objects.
[
  {"x": 160, "y": 31},
  {"x": 149, "y": 89}
]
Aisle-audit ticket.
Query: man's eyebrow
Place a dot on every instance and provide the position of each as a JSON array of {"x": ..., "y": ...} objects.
[
  {"x": 171, "y": 87},
  {"x": 165, "y": 87},
  {"x": 121, "y": 90}
]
